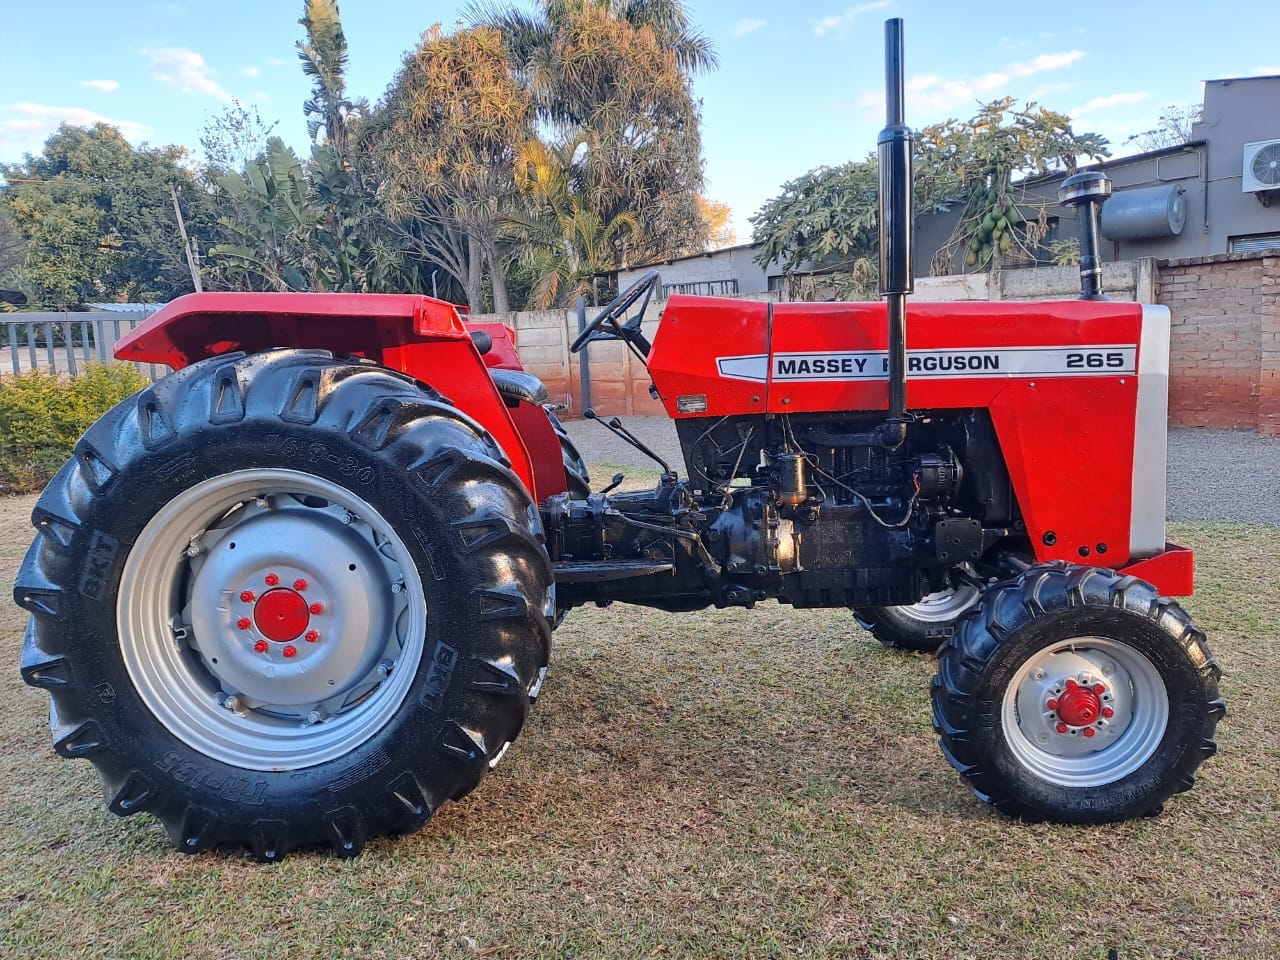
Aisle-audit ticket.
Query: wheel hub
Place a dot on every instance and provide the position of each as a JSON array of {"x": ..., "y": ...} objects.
[
  {"x": 281, "y": 615},
  {"x": 1086, "y": 711}
]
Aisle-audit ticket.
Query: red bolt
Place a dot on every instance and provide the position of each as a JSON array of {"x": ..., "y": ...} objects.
[
  {"x": 246, "y": 596},
  {"x": 299, "y": 584},
  {"x": 261, "y": 646},
  {"x": 1108, "y": 712},
  {"x": 1089, "y": 731},
  {"x": 312, "y": 636},
  {"x": 317, "y": 608},
  {"x": 1052, "y": 704},
  {"x": 1061, "y": 728},
  {"x": 1099, "y": 689},
  {"x": 271, "y": 579},
  {"x": 243, "y": 623},
  {"x": 290, "y": 651},
  {"x": 1070, "y": 684}
]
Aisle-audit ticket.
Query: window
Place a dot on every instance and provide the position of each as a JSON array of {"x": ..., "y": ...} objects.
[{"x": 1260, "y": 241}]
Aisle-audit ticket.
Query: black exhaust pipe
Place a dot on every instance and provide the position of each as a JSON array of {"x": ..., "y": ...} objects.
[
  {"x": 896, "y": 275},
  {"x": 1088, "y": 191}
]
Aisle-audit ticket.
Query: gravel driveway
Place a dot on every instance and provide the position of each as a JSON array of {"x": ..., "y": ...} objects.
[{"x": 1213, "y": 474}]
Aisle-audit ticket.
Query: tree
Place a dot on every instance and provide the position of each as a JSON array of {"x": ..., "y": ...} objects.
[
  {"x": 234, "y": 138},
  {"x": 13, "y": 251},
  {"x": 445, "y": 136},
  {"x": 324, "y": 59},
  {"x": 97, "y": 216},
  {"x": 826, "y": 218},
  {"x": 719, "y": 220},
  {"x": 561, "y": 244},
  {"x": 1174, "y": 127},
  {"x": 987, "y": 159},
  {"x": 615, "y": 74}
]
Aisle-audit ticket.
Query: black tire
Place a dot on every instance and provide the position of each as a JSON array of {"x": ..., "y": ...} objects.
[
  {"x": 1053, "y": 633},
  {"x": 577, "y": 480},
  {"x": 445, "y": 514},
  {"x": 921, "y": 627}
]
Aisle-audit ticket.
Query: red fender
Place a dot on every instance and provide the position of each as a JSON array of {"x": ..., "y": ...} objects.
[{"x": 419, "y": 336}]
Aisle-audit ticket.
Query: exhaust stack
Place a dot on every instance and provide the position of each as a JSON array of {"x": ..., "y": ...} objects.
[{"x": 896, "y": 275}]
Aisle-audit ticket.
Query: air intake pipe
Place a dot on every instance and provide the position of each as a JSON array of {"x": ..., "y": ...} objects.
[
  {"x": 894, "y": 148},
  {"x": 1089, "y": 191}
]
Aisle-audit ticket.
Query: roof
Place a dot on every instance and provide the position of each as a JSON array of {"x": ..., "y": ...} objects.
[
  {"x": 691, "y": 256},
  {"x": 127, "y": 307}
]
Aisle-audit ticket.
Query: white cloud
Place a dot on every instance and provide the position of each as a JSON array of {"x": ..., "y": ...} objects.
[
  {"x": 841, "y": 22},
  {"x": 106, "y": 86},
  {"x": 260, "y": 96},
  {"x": 1266, "y": 71},
  {"x": 928, "y": 94},
  {"x": 25, "y": 126},
  {"x": 1102, "y": 103},
  {"x": 252, "y": 72},
  {"x": 745, "y": 26},
  {"x": 186, "y": 70}
]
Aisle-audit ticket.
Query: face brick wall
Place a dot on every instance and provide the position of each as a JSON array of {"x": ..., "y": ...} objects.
[{"x": 1224, "y": 364}]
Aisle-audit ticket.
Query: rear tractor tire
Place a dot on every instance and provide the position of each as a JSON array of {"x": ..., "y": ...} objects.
[
  {"x": 283, "y": 600},
  {"x": 1076, "y": 695}
]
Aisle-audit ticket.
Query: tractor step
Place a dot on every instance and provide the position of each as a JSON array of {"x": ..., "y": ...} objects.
[{"x": 592, "y": 571}]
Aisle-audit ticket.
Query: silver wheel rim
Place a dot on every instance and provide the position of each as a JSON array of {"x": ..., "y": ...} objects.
[
  {"x": 1125, "y": 704},
  {"x": 943, "y": 606},
  {"x": 215, "y": 659}
]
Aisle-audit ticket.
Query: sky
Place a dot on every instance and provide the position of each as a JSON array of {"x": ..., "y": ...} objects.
[{"x": 799, "y": 84}]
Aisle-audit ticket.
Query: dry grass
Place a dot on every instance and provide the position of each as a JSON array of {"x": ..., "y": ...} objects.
[{"x": 727, "y": 784}]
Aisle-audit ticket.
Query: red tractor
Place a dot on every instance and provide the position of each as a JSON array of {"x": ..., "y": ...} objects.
[{"x": 301, "y": 591}]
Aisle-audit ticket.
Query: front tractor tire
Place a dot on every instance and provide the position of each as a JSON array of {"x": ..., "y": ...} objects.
[
  {"x": 283, "y": 600},
  {"x": 1076, "y": 695},
  {"x": 922, "y": 626}
]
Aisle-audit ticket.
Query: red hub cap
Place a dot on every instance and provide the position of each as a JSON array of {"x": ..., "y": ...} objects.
[
  {"x": 1079, "y": 706},
  {"x": 281, "y": 615}
]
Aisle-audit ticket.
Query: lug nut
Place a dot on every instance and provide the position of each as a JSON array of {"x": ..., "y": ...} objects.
[
  {"x": 1089, "y": 731},
  {"x": 317, "y": 607},
  {"x": 1099, "y": 689},
  {"x": 271, "y": 579},
  {"x": 1061, "y": 728},
  {"x": 312, "y": 636},
  {"x": 1108, "y": 712},
  {"x": 1071, "y": 683},
  {"x": 261, "y": 646},
  {"x": 243, "y": 623},
  {"x": 1052, "y": 704},
  {"x": 299, "y": 584},
  {"x": 290, "y": 651},
  {"x": 246, "y": 596}
]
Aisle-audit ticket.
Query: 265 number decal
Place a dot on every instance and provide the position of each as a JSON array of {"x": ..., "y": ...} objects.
[{"x": 1095, "y": 361}]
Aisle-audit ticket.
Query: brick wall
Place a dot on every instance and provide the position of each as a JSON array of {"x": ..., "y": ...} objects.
[{"x": 1224, "y": 364}]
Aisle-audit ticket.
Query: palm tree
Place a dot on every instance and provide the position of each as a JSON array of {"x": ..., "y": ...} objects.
[
  {"x": 614, "y": 76},
  {"x": 324, "y": 59}
]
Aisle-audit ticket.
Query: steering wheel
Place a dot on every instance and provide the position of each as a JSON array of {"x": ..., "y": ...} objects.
[{"x": 609, "y": 319}]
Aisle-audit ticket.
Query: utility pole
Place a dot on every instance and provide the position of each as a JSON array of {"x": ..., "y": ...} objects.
[{"x": 186, "y": 244}]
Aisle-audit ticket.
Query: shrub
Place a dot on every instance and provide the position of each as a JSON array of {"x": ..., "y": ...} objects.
[{"x": 42, "y": 415}]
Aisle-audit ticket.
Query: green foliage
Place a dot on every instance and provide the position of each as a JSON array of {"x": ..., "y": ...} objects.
[
  {"x": 42, "y": 415},
  {"x": 233, "y": 139},
  {"x": 826, "y": 219},
  {"x": 324, "y": 60},
  {"x": 97, "y": 217},
  {"x": 989, "y": 158}
]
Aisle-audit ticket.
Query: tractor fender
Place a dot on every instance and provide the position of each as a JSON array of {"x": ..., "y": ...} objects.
[{"x": 419, "y": 336}]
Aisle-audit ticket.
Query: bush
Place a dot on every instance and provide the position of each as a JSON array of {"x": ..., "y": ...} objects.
[{"x": 42, "y": 415}]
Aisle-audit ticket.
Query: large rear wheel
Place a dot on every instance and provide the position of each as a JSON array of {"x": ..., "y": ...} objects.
[{"x": 283, "y": 600}]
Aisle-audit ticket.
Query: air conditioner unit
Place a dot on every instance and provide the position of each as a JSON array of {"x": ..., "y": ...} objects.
[{"x": 1261, "y": 166}]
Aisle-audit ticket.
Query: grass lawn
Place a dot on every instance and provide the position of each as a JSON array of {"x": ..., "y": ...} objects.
[{"x": 723, "y": 784}]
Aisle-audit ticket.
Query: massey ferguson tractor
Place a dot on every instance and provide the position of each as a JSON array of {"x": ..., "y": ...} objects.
[{"x": 301, "y": 591}]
